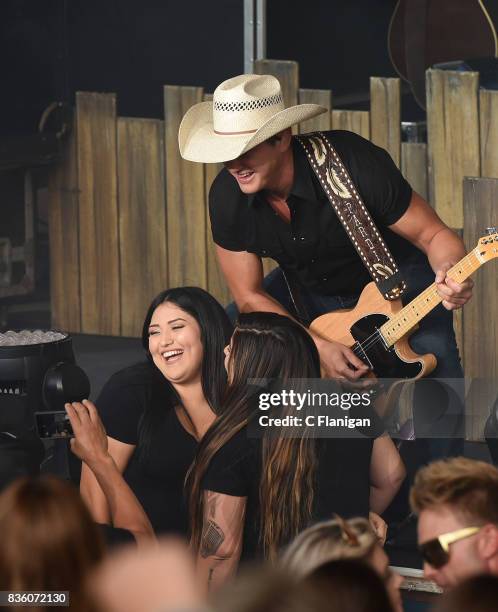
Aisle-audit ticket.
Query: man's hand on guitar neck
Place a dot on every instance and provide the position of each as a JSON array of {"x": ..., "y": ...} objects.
[
  {"x": 339, "y": 361},
  {"x": 454, "y": 294}
]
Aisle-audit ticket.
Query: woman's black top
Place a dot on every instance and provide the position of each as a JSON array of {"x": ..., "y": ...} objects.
[
  {"x": 157, "y": 479},
  {"x": 342, "y": 480}
]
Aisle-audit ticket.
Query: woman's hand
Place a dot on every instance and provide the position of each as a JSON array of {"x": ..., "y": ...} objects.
[
  {"x": 90, "y": 439},
  {"x": 379, "y": 526}
]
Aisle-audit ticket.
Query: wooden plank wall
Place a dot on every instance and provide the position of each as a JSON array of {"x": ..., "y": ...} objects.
[
  {"x": 142, "y": 219},
  {"x": 480, "y": 321},
  {"x": 385, "y": 115},
  {"x": 64, "y": 240},
  {"x": 353, "y": 121},
  {"x": 414, "y": 166},
  {"x": 111, "y": 194},
  {"x": 185, "y": 193},
  {"x": 453, "y": 139},
  {"x": 488, "y": 122},
  {"x": 323, "y": 97},
  {"x": 98, "y": 213}
]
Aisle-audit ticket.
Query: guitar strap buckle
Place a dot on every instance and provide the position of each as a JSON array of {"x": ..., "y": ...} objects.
[{"x": 353, "y": 214}]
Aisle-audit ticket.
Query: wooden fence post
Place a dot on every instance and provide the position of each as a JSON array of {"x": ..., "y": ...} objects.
[
  {"x": 322, "y": 122},
  {"x": 185, "y": 196},
  {"x": 385, "y": 115},
  {"x": 63, "y": 191},
  {"x": 453, "y": 139},
  {"x": 488, "y": 121},
  {"x": 142, "y": 218},
  {"x": 353, "y": 121},
  {"x": 98, "y": 213},
  {"x": 480, "y": 321},
  {"x": 414, "y": 166}
]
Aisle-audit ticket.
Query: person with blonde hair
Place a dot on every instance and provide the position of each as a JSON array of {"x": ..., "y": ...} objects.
[
  {"x": 457, "y": 505},
  {"x": 348, "y": 586},
  {"x": 339, "y": 539},
  {"x": 49, "y": 541}
]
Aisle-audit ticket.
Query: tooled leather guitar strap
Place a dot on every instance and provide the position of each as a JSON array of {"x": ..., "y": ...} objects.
[{"x": 352, "y": 213}]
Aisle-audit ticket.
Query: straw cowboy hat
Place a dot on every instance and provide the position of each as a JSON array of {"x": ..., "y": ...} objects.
[{"x": 246, "y": 110}]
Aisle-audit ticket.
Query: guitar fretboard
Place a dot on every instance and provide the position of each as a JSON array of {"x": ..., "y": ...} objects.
[{"x": 401, "y": 323}]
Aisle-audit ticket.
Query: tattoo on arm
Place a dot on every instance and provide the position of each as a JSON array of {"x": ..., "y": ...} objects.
[
  {"x": 212, "y": 534},
  {"x": 212, "y": 538}
]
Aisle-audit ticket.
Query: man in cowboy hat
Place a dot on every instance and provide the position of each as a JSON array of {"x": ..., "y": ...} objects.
[{"x": 267, "y": 202}]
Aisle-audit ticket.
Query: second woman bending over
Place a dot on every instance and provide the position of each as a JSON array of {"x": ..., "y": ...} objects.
[{"x": 250, "y": 496}]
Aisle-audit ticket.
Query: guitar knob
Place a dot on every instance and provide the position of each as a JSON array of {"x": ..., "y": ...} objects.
[{"x": 491, "y": 230}]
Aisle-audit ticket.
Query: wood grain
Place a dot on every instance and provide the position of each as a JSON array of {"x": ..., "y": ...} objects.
[
  {"x": 98, "y": 213},
  {"x": 322, "y": 122},
  {"x": 488, "y": 121},
  {"x": 453, "y": 139},
  {"x": 414, "y": 166},
  {"x": 353, "y": 121},
  {"x": 480, "y": 321},
  {"x": 385, "y": 115},
  {"x": 185, "y": 196},
  {"x": 65, "y": 299},
  {"x": 142, "y": 219}
]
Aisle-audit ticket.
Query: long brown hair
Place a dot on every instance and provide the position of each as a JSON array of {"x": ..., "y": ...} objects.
[
  {"x": 264, "y": 346},
  {"x": 49, "y": 541}
]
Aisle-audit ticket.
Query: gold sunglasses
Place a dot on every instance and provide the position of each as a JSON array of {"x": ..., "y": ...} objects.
[{"x": 436, "y": 552}]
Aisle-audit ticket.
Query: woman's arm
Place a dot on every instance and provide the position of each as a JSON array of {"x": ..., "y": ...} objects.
[
  {"x": 221, "y": 540},
  {"x": 387, "y": 472},
  {"x": 90, "y": 445},
  {"x": 90, "y": 490}
]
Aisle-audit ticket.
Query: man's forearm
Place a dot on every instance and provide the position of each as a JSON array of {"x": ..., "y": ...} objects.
[
  {"x": 126, "y": 511},
  {"x": 263, "y": 302},
  {"x": 260, "y": 301}
]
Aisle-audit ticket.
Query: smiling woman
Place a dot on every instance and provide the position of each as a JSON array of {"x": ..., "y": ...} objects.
[{"x": 154, "y": 413}]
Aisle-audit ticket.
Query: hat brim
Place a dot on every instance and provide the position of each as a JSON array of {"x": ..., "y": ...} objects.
[{"x": 199, "y": 142}]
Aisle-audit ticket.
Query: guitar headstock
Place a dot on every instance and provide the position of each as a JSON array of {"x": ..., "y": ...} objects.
[{"x": 487, "y": 247}]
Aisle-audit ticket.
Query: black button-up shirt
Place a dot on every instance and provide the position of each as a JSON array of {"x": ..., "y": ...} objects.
[{"x": 314, "y": 245}]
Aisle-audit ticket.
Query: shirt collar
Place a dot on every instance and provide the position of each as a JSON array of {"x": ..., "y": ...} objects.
[{"x": 303, "y": 186}]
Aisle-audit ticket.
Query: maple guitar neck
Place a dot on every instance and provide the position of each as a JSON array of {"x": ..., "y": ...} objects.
[{"x": 402, "y": 322}]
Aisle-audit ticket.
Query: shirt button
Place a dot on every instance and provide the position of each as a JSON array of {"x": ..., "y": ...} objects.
[
  {"x": 294, "y": 238},
  {"x": 312, "y": 261},
  {"x": 324, "y": 278},
  {"x": 302, "y": 238},
  {"x": 263, "y": 252}
]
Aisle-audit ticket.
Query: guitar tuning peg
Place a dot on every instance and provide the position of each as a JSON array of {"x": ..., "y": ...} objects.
[{"x": 491, "y": 230}]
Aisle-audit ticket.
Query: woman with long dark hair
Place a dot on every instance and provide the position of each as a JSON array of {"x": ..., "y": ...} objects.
[
  {"x": 250, "y": 496},
  {"x": 154, "y": 415}
]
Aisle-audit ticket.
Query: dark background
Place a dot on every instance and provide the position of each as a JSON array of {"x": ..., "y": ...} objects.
[{"x": 51, "y": 48}]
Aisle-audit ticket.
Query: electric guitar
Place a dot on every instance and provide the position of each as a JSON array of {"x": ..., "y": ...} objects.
[{"x": 377, "y": 330}]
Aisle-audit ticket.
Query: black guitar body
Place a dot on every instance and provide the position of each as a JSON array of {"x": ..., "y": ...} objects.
[{"x": 385, "y": 362}]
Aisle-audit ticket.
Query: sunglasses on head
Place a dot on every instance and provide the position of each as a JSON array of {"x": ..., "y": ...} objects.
[{"x": 436, "y": 552}]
